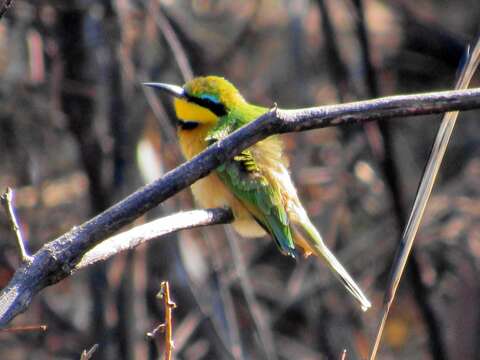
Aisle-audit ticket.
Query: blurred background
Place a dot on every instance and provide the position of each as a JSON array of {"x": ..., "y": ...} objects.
[{"x": 78, "y": 132}]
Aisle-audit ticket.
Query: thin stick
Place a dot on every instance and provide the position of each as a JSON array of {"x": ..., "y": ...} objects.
[
  {"x": 169, "y": 305},
  {"x": 423, "y": 194},
  {"x": 7, "y": 202},
  {"x": 24, "y": 328}
]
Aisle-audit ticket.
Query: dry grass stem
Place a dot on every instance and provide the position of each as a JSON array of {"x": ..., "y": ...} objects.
[{"x": 423, "y": 194}]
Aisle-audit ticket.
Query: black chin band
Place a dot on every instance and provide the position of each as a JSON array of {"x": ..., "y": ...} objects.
[{"x": 187, "y": 125}]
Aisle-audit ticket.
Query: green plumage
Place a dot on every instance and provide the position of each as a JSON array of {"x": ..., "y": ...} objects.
[
  {"x": 245, "y": 179},
  {"x": 248, "y": 184}
]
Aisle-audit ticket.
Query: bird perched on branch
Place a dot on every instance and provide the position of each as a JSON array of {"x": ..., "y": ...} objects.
[{"x": 256, "y": 183}]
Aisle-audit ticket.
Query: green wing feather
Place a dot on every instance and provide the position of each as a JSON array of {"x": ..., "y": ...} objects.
[{"x": 245, "y": 179}]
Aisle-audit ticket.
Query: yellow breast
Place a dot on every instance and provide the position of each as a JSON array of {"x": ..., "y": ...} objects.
[{"x": 210, "y": 192}]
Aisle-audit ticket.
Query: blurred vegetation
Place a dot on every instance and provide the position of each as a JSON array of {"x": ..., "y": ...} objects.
[{"x": 77, "y": 133}]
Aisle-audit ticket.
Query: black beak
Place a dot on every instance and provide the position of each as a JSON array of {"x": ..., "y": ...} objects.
[{"x": 173, "y": 90}]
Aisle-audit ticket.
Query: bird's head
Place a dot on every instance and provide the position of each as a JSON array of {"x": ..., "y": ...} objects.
[{"x": 202, "y": 101}]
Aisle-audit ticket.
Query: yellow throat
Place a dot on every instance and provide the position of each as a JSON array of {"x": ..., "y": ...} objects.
[{"x": 193, "y": 142}]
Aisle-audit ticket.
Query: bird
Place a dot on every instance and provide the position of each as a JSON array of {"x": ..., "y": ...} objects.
[{"x": 255, "y": 184}]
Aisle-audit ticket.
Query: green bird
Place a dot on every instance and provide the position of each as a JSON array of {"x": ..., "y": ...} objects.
[{"x": 256, "y": 183}]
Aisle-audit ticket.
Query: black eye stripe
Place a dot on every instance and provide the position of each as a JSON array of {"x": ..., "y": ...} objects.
[
  {"x": 217, "y": 108},
  {"x": 188, "y": 125}
]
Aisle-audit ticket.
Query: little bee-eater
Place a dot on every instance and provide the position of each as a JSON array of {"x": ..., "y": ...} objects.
[{"x": 256, "y": 183}]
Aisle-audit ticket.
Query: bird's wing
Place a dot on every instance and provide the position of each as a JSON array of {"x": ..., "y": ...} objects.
[{"x": 244, "y": 178}]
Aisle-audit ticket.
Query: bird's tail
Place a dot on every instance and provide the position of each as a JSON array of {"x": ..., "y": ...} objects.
[{"x": 305, "y": 233}]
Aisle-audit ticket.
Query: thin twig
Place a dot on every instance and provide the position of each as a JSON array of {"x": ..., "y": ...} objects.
[
  {"x": 167, "y": 327},
  {"x": 87, "y": 355},
  {"x": 24, "y": 328},
  {"x": 423, "y": 194},
  {"x": 7, "y": 4},
  {"x": 7, "y": 202},
  {"x": 57, "y": 259}
]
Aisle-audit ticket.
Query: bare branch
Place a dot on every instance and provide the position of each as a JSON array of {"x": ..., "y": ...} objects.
[
  {"x": 132, "y": 238},
  {"x": 112, "y": 246},
  {"x": 169, "y": 305},
  {"x": 167, "y": 326},
  {"x": 7, "y": 201},
  {"x": 57, "y": 259}
]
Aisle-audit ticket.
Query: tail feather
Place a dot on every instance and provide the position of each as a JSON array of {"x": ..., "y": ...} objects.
[{"x": 306, "y": 233}]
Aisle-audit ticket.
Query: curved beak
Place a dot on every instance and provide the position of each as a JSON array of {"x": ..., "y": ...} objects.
[{"x": 173, "y": 90}]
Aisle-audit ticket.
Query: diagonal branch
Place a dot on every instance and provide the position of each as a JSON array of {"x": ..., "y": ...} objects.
[{"x": 57, "y": 259}]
